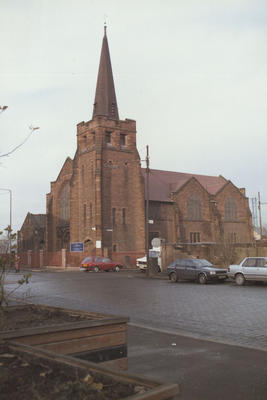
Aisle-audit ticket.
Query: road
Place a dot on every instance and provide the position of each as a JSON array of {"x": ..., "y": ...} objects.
[
  {"x": 221, "y": 312},
  {"x": 178, "y": 332}
]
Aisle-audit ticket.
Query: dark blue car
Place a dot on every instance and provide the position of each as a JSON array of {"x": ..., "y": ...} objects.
[{"x": 195, "y": 269}]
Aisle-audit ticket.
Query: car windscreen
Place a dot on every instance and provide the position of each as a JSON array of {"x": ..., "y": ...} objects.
[
  {"x": 87, "y": 259},
  {"x": 98, "y": 259},
  {"x": 202, "y": 263}
]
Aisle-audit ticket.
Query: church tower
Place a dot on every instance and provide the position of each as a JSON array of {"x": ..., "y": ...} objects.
[{"x": 107, "y": 189}]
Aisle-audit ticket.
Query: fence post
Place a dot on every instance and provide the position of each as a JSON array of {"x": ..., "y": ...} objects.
[
  {"x": 64, "y": 258},
  {"x": 29, "y": 258},
  {"x": 163, "y": 257}
]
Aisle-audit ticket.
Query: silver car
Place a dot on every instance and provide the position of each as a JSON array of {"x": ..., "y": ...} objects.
[{"x": 250, "y": 269}]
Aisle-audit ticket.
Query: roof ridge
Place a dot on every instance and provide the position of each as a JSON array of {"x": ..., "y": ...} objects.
[{"x": 187, "y": 173}]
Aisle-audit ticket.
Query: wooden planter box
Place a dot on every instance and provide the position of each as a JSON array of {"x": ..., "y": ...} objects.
[
  {"x": 95, "y": 337},
  {"x": 31, "y": 358}
]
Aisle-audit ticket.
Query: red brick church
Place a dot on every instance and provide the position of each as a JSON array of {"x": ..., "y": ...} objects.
[{"x": 98, "y": 197}]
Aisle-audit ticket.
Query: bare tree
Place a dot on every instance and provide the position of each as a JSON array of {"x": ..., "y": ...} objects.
[
  {"x": 225, "y": 250},
  {"x": 6, "y": 263}
]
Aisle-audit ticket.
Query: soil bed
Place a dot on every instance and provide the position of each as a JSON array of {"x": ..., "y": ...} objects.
[
  {"x": 28, "y": 316},
  {"x": 23, "y": 377},
  {"x": 96, "y": 337}
]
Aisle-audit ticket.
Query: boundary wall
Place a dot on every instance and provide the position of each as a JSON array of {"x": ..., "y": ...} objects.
[{"x": 65, "y": 259}]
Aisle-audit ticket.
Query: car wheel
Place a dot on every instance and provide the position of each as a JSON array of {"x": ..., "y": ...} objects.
[
  {"x": 96, "y": 269},
  {"x": 117, "y": 268},
  {"x": 173, "y": 277},
  {"x": 239, "y": 279},
  {"x": 202, "y": 279}
]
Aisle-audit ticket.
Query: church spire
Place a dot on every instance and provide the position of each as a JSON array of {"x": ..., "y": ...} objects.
[{"x": 105, "y": 97}]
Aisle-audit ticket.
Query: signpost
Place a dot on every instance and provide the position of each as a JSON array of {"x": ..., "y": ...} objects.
[{"x": 76, "y": 247}]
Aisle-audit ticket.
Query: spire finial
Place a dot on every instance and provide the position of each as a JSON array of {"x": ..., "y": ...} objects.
[{"x": 105, "y": 24}]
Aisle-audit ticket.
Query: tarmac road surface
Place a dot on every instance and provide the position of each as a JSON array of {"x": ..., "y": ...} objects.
[{"x": 211, "y": 339}]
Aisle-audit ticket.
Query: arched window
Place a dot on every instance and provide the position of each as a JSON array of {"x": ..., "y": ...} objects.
[
  {"x": 230, "y": 209},
  {"x": 64, "y": 203},
  {"x": 194, "y": 208}
]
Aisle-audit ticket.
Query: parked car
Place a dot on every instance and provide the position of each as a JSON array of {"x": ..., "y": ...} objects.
[
  {"x": 195, "y": 269},
  {"x": 154, "y": 253},
  {"x": 250, "y": 269},
  {"x": 98, "y": 263},
  {"x": 141, "y": 263}
]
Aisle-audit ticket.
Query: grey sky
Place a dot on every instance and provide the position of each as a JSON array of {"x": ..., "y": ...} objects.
[{"x": 193, "y": 74}]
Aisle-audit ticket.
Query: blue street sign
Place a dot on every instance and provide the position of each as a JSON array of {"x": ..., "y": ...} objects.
[{"x": 76, "y": 246}]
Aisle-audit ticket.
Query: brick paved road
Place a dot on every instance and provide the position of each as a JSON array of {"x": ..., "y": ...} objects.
[{"x": 220, "y": 312}]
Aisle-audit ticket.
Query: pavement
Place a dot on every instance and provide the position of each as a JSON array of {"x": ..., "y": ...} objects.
[{"x": 204, "y": 369}]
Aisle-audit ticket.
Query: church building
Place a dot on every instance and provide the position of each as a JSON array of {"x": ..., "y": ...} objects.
[{"x": 99, "y": 196}]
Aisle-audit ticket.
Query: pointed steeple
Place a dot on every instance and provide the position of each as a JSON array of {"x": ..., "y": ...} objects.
[{"x": 105, "y": 97}]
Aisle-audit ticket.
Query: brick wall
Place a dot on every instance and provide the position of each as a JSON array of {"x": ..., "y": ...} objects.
[
  {"x": 53, "y": 258},
  {"x": 107, "y": 191},
  {"x": 55, "y": 239},
  {"x": 164, "y": 221},
  {"x": 204, "y": 224}
]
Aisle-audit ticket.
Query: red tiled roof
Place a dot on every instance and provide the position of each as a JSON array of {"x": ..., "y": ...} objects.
[{"x": 161, "y": 183}]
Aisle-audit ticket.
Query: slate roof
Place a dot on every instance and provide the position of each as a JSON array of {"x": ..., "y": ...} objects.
[
  {"x": 39, "y": 220},
  {"x": 162, "y": 183}
]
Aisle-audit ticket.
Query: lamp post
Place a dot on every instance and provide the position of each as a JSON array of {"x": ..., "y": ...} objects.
[
  {"x": 259, "y": 207},
  {"x": 147, "y": 212},
  {"x": 10, "y": 215}
]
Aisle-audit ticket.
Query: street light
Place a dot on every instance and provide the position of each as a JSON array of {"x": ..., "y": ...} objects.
[
  {"x": 10, "y": 215},
  {"x": 147, "y": 211},
  {"x": 32, "y": 129},
  {"x": 260, "y": 203}
]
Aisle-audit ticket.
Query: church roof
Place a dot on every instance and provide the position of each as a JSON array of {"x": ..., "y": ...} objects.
[
  {"x": 162, "y": 183},
  {"x": 105, "y": 97}
]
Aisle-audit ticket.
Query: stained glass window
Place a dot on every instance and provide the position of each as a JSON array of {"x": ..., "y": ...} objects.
[
  {"x": 64, "y": 201},
  {"x": 194, "y": 208},
  {"x": 230, "y": 209}
]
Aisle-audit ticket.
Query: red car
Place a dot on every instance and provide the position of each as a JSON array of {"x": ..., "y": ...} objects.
[{"x": 97, "y": 263}]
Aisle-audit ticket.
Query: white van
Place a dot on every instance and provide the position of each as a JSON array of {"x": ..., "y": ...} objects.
[{"x": 153, "y": 253}]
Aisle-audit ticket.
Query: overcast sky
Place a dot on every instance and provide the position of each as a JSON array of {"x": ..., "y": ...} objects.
[{"x": 193, "y": 74}]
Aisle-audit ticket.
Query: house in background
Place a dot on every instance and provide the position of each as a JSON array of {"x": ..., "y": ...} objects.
[{"x": 31, "y": 236}]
